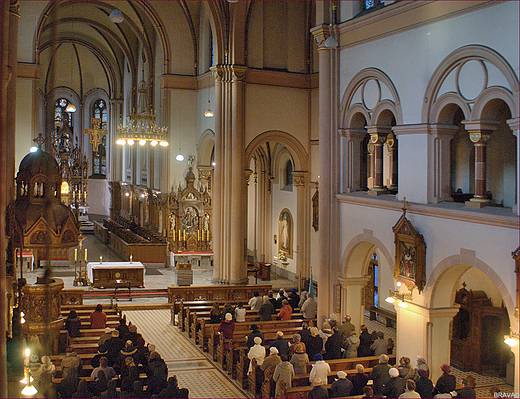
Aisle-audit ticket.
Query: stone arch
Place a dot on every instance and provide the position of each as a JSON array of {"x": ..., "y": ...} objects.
[
  {"x": 457, "y": 59},
  {"x": 298, "y": 153},
  {"x": 441, "y": 284},
  {"x": 352, "y": 116},
  {"x": 381, "y": 110},
  {"x": 445, "y": 100},
  {"x": 358, "y": 251},
  {"x": 205, "y": 147},
  {"x": 490, "y": 94}
]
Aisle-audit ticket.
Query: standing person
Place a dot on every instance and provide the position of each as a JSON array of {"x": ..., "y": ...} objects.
[
  {"x": 300, "y": 360},
  {"x": 266, "y": 311},
  {"x": 325, "y": 333},
  {"x": 303, "y": 298},
  {"x": 286, "y": 311},
  {"x": 123, "y": 329},
  {"x": 394, "y": 387},
  {"x": 215, "y": 315},
  {"x": 227, "y": 326},
  {"x": 73, "y": 324},
  {"x": 423, "y": 385},
  {"x": 257, "y": 352},
  {"x": 98, "y": 318},
  {"x": 255, "y": 332},
  {"x": 256, "y": 301},
  {"x": 240, "y": 313},
  {"x": 314, "y": 343},
  {"x": 346, "y": 328},
  {"x": 297, "y": 340},
  {"x": 281, "y": 344},
  {"x": 342, "y": 387},
  {"x": 320, "y": 369},
  {"x": 379, "y": 345},
  {"x": 294, "y": 299},
  {"x": 309, "y": 308},
  {"x": 284, "y": 371},
  {"x": 365, "y": 340},
  {"x": 446, "y": 382},
  {"x": 409, "y": 391},
  {"x": 318, "y": 391},
  {"x": 305, "y": 333},
  {"x": 379, "y": 374},
  {"x": 333, "y": 345},
  {"x": 352, "y": 346},
  {"x": 270, "y": 362},
  {"x": 272, "y": 299},
  {"x": 359, "y": 380},
  {"x": 421, "y": 364}
]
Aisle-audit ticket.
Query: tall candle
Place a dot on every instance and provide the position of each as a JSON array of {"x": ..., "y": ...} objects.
[
  {"x": 75, "y": 254},
  {"x": 85, "y": 253},
  {"x": 198, "y": 235},
  {"x": 183, "y": 235},
  {"x": 179, "y": 235}
]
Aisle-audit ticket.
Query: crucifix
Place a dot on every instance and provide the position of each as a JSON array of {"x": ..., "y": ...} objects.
[
  {"x": 405, "y": 203},
  {"x": 96, "y": 133},
  {"x": 39, "y": 140}
]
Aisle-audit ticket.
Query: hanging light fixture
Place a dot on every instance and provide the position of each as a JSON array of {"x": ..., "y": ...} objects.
[
  {"x": 116, "y": 16},
  {"x": 209, "y": 112},
  {"x": 70, "y": 107}
]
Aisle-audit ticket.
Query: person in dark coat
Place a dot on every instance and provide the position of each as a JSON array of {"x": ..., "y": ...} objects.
[
  {"x": 215, "y": 315},
  {"x": 319, "y": 391},
  {"x": 171, "y": 390},
  {"x": 227, "y": 326},
  {"x": 314, "y": 343},
  {"x": 395, "y": 386},
  {"x": 379, "y": 374},
  {"x": 112, "y": 347},
  {"x": 111, "y": 392},
  {"x": 69, "y": 384},
  {"x": 129, "y": 374},
  {"x": 342, "y": 387},
  {"x": 255, "y": 332},
  {"x": 157, "y": 374},
  {"x": 446, "y": 382},
  {"x": 123, "y": 329},
  {"x": 423, "y": 385},
  {"x": 467, "y": 390},
  {"x": 266, "y": 310},
  {"x": 129, "y": 351},
  {"x": 272, "y": 299},
  {"x": 73, "y": 324},
  {"x": 333, "y": 345},
  {"x": 359, "y": 380},
  {"x": 281, "y": 344},
  {"x": 294, "y": 299},
  {"x": 100, "y": 384},
  {"x": 83, "y": 390},
  {"x": 133, "y": 335},
  {"x": 365, "y": 340},
  {"x": 137, "y": 390}
]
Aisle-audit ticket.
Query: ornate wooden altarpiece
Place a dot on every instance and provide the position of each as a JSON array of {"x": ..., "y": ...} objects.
[
  {"x": 410, "y": 253},
  {"x": 478, "y": 330},
  {"x": 190, "y": 214}
]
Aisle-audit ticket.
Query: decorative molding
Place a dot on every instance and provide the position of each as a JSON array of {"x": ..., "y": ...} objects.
[
  {"x": 300, "y": 178},
  {"x": 178, "y": 82},
  {"x": 28, "y": 71}
]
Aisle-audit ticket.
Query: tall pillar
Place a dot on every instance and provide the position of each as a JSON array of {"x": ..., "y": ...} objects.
[
  {"x": 301, "y": 182},
  {"x": 391, "y": 146},
  {"x": 352, "y": 303},
  {"x": 326, "y": 181},
  {"x": 438, "y": 335},
  {"x": 514, "y": 125},
  {"x": 230, "y": 194},
  {"x": 439, "y": 173},
  {"x": 115, "y": 158},
  {"x": 352, "y": 140},
  {"x": 378, "y": 136},
  {"x": 479, "y": 134}
]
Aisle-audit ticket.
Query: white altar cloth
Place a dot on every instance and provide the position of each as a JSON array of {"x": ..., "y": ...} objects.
[{"x": 112, "y": 265}]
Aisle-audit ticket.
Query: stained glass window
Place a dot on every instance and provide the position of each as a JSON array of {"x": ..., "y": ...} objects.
[
  {"x": 59, "y": 111},
  {"x": 288, "y": 174},
  {"x": 99, "y": 154},
  {"x": 368, "y": 4}
]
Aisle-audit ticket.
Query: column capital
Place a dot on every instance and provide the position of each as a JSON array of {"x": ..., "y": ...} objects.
[
  {"x": 320, "y": 33},
  {"x": 115, "y": 101},
  {"x": 444, "y": 312},
  {"x": 301, "y": 178},
  {"x": 14, "y": 8},
  {"x": 229, "y": 73},
  {"x": 353, "y": 133},
  {"x": 514, "y": 125},
  {"x": 484, "y": 127},
  {"x": 248, "y": 173},
  {"x": 378, "y": 133},
  {"x": 345, "y": 282},
  {"x": 440, "y": 131}
]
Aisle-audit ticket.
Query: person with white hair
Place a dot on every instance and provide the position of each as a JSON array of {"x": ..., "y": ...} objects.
[
  {"x": 309, "y": 308},
  {"x": 342, "y": 387},
  {"x": 281, "y": 344},
  {"x": 395, "y": 386},
  {"x": 421, "y": 364},
  {"x": 227, "y": 326},
  {"x": 256, "y": 352},
  {"x": 318, "y": 391},
  {"x": 379, "y": 374},
  {"x": 270, "y": 362}
]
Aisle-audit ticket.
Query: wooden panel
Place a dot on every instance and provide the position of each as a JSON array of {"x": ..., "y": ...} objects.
[{"x": 216, "y": 292}]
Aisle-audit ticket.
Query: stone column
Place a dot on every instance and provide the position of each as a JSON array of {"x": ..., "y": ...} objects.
[
  {"x": 321, "y": 33},
  {"x": 514, "y": 124},
  {"x": 378, "y": 136},
  {"x": 391, "y": 146},
  {"x": 352, "y": 140},
  {"x": 439, "y": 172},
  {"x": 353, "y": 301},
  {"x": 479, "y": 134},
  {"x": 301, "y": 182},
  {"x": 115, "y": 158},
  {"x": 440, "y": 344}
]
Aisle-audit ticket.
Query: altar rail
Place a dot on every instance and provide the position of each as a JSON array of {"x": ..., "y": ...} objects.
[
  {"x": 142, "y": 252},
  {"x": 216, "y": 292}
]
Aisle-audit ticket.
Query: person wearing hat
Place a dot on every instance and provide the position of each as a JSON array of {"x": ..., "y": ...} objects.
[
  {"x": 270, "y": 362},
  {"x": 257, "y": 352},
  {"x": 320, "y": 369},
  {"x": 379, "y": 374},
  {"x": 227, "y": 326},
  {"x": 318, "y": 391},
  {"x": 284, "y": 371},
  {"x": 446, "y": 382},
  {"x": 342, "y": 386},
  {"x": 395, "y": 386},
  {"x": 255, "y": 332},
  {"x": 299, "y": 360},
  {"x": 421, "y": 364},
  {"x": 423, "y": 385}
]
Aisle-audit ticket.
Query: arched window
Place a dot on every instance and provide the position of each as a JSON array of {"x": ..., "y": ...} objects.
[
  {"x": 99, "y": 157},
  {"x": 288, "y": 174}
]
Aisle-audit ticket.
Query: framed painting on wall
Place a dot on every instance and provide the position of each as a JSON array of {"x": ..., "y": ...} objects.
[{"x": 285, "y": 230}]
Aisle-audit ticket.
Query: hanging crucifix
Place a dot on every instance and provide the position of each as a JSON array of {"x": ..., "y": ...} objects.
[{"x": 96, "y": 133}]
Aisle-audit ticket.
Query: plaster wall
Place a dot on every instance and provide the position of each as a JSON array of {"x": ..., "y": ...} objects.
[
  {"x": 31, "y": 12},
  {"x": 24, "y": 120}
]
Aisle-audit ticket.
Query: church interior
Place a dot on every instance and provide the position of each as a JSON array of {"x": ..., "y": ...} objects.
[{"x": 181, "y": 151}]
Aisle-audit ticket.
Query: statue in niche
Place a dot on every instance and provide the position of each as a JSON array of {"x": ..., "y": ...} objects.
[
  {"x": 206, "y": 222},
  {"x": 190, "y": 220},
  {"x": 172, "y": 222}
]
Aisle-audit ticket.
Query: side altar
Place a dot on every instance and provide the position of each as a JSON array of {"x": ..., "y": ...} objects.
[{"x": 105, "y": 274}]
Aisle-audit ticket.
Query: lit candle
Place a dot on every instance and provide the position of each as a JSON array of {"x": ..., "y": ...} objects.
[
  {"x": 85, "y": 253},
  {"x": 100, "y": 258},
  {"x": 183, "y": 235},
  {"x": 179, "y": 235},
  {"x": 198, "y": 235},
  {"x": 75, "y": 254},
  {"x": 131, "y": 257}
]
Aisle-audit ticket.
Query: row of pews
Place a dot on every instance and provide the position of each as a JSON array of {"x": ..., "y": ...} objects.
[{"x": 231, "y": 354}]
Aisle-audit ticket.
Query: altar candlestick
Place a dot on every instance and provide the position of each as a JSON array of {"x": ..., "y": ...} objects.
[
  {"x": 179, "y": 235},
  {"x": 183, "y": 235},
  {"x": 85, "y": 253},
  {"x": 131, "y": 257},
  {"x": 100, "y": 258},
  {"x": 75, "y": 255},
  {"x": 198, "y": 235}
]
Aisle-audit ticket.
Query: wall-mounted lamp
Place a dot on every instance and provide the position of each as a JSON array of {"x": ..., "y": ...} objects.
[
  {"x": 512, "y": 338},
  {"x": 394, "y": 296}
]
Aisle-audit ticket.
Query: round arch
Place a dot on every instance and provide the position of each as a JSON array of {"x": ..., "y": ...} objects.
[
  {"x": 298, "y": 153},
  {"x": 205, "y": 147}
]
